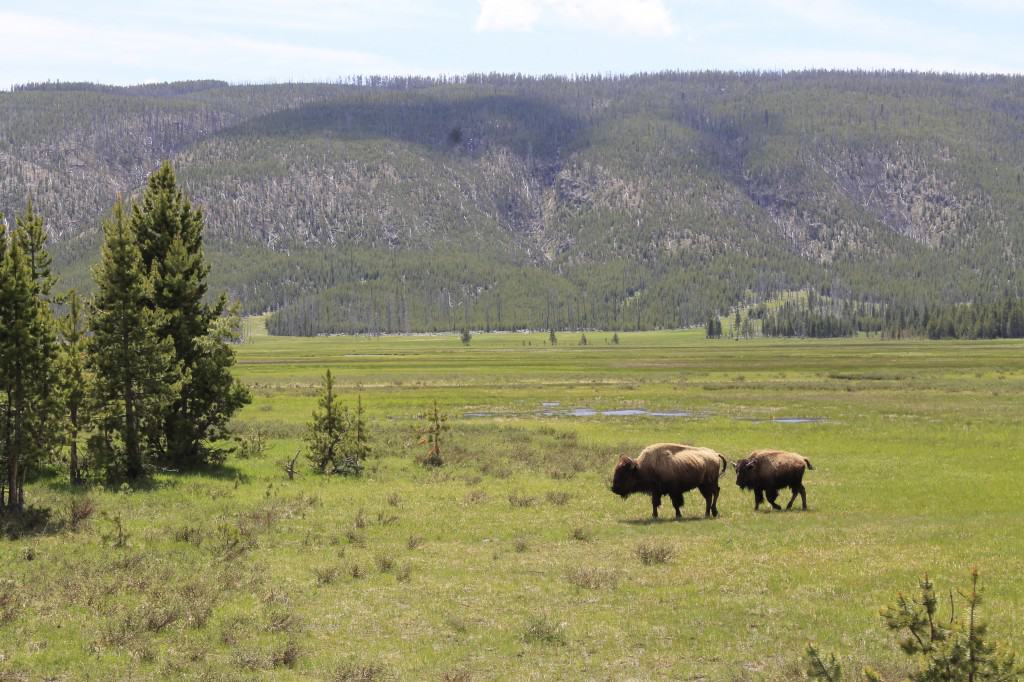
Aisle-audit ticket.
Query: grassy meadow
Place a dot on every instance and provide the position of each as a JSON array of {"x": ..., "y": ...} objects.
[{"x": 513, "y": 560}]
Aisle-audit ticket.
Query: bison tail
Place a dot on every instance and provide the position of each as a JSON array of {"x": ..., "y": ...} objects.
[
  {"x": 808, "y": 464},
  {"x": 725, "y": 465}
]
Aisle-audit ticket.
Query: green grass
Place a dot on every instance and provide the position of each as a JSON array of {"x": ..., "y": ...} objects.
[{"x": 514, "y": 560}]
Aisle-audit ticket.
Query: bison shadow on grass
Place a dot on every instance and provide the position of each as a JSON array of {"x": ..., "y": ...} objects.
[{"x": 671, "y": 469}]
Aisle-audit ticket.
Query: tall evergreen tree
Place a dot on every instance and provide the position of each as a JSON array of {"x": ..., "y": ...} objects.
[
  {"x": 72, "y": 379},
  {"x": 170, "y": 239},
  {"x": 27, "y": 353},
  {"x": 135, "y": 370}
]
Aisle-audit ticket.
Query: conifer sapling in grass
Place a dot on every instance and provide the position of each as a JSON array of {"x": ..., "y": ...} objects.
[
  {"x": 328, "y": 428},
  {"x": 431, "y": 434}
]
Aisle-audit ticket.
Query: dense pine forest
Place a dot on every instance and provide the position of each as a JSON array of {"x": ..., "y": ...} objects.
[{"x": 383, "y": 205}]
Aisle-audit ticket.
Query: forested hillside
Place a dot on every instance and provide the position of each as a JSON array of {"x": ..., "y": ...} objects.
[{"x": 385, "y": 205}]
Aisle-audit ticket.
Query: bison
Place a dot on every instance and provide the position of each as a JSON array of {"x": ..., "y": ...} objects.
[
  {"x": 767, "y": 471},
  {"x": 671, "y": 469}
]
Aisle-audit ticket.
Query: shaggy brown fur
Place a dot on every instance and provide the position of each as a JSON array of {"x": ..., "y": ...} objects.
[
  {"x": 671, "y": 469},
  {"x": 768, "y": 471}
]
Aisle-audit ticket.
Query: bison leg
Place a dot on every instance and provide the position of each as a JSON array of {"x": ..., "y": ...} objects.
[
  {"x": 655, "y": 503},
  {"x": 677, "y": 502},
  {"x": 796, "y": 491},
  {"x": 772, "y": 495},
  {"x": 758, "y": 498},
  {"x": 710, "y": 498},
  {"x": 803, "y": 496}
]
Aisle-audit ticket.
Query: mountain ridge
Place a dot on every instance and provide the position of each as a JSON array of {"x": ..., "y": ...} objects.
[{"x": 641, "y": 201}]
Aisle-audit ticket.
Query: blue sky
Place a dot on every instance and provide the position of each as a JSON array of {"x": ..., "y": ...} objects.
[{"x": 134, "y": 41}]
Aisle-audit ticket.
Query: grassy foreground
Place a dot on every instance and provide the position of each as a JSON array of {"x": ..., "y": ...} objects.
[{"x": 514, "y": 561}]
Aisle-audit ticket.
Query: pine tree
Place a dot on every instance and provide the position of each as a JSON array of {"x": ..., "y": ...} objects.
[
  {"x": 432, "y": 435},
  {"x": 170, "y": 238},
  {"x": 328, "y": 428},
  {"x": 356, "y": 445},
  {"x": 72, "y": 379},
  {"x": 28, "y": 406},
  {"x": 136, "y": 374}
]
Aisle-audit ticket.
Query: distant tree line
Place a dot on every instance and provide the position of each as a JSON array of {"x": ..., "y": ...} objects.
[{"x": 816, "y": 316}]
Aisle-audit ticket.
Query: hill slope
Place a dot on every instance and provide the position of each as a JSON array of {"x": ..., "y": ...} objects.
[{"x": 506, "y": 202}]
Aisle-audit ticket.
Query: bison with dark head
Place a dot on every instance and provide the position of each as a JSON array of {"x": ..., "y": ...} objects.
[
  {"x": 768, "y": 471},
  {"x": 671, "y": 469}
]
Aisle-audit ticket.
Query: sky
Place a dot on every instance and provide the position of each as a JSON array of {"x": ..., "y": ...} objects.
[{"x": 139, "y": 41}]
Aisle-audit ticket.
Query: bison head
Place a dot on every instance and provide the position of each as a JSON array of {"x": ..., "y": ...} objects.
[
  {"x": 744, "y": 473},
  {"x": 626, "y": 477}
]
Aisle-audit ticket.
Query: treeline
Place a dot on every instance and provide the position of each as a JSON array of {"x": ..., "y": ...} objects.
[
  {"x": 140, "y": 372},
  {"x": 815, "y": 316},
  {"x": 1000, "y": 320}
]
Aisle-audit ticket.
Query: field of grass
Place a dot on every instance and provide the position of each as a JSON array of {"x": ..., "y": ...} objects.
[{"x": 514, "y": 561}]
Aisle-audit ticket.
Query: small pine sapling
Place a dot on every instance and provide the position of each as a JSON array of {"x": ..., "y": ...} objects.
[
  {"x": 355, "y": 446},
  {"x": 328, "y": 428},
  {"x": 431, "y": 434}
]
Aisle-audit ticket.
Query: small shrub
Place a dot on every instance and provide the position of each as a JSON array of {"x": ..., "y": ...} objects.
[
  {"x": 118, "y": 535},
  {"x": 521, "y": 501},
  {"x": 582, "y": 534},
  {"x": 281, "y": 619},
  {"x": 365, "y": 672},
  {"x": 251, "y": 444},
  {"x": 385, "y": 519},
  {"x": 539, "y": 630},
  {"x": 233, "y": 540},
  {"x": 10, "y": 600},
  {"x": 395, "y": 500},
  {"x": 414, "y": 541},
  {"x": 234, "y": 629},
  {"x": 80, "y": 509},
  {"x": 325, "y": 575},
  {"x": 558, "y": 497},
  {"x": 189, "y": 534},
  {"x": 385, "y": 564},
  {"x": 288, "y": 656},
  {"x": 360, "y": 520},
  {"x": 592, "y": 578},
  {"x": 355, "y": 537},
  {"x": 654, "y": 553},
  {"x": 160, "y": 613},
  {"x": 404, "y": 573},
  {"x": 356, "y": 571},
  {"x": 197, "y": 604},
  {"x": 520, "y": 545},
  {"x": 475, "y": 497}
]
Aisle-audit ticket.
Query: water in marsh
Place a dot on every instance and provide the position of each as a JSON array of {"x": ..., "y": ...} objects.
[{"x": 548, "y": 409}]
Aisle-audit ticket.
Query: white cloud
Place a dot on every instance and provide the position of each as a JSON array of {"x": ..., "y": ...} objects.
[
  {"x": 638, "y": 17},
  {"x": 507, "y": 15}
]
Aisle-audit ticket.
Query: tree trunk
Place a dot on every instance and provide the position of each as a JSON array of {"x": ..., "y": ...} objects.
[{"x": 76, "y": 475}]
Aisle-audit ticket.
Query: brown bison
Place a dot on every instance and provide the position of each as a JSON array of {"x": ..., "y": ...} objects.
[
  {"x": 671, "y": 469},
  {"x": 767, "y": 471}
]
